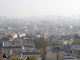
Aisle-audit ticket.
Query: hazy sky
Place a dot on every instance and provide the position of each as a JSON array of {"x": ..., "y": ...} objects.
[{"x": 27, "y": 8}]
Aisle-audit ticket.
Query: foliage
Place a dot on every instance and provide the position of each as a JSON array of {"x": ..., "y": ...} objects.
[
  {"x": 56, "y": 44},
  {"x": 42, "y": 53},
  {"x": 28, "y": 58},
  {"x": 42, "y": 44},
  {"x": 16, "y": 59},
  {"x": 36, "y": 42},
  {"x": 76, "y": 43},
  {"x": 33, "y": 58},
  {"x": 16, "y": 51}
]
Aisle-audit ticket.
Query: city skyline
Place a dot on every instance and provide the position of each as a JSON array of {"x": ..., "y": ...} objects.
[{"x": 39, "y": 8}]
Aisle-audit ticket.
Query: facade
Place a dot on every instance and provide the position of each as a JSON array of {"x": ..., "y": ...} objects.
[
  {"x": 8, "y": 47},
  {"x": 51, "y": 52},
  {"x": 50, "y": 55},
  {"x": 55, "y": 48},
  {"x": 75, "y": 48},
  {"x": 63, "y": 42},
  {"x": 68, "y": 56},
  {"x": 77, "y": 39},
  {"x": 30, "y": 53},
  {"x": 40, "y": 38},
  {"x": 13, "y": 47},
  {"x": 18, "y": 35},
  {"x": 71, "y": 41}
]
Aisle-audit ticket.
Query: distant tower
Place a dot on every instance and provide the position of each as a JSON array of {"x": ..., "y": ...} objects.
[
  {"x": 18, "y": 35},
  {"x": 76, "y": 36}
]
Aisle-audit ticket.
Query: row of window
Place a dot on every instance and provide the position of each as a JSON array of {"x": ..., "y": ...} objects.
[
  {"x": 24, "y": 53},
  {"x": 37, "y": 56},
  {"x": 13, "y": 49},
  {"x": 77, "y": 48}
]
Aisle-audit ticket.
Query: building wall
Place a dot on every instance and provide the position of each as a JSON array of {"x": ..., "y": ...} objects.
[
  {"x": 37, "y": 56},
  {"x": 15, "y": 36},
  {"x": 65, "y": 42},
  {"x": 77, "y": 40},
  {"x": 52, "y": 55},
  {"x": 7, "y": 52},
  {"x": 57, "y": 41},
  {"x": 48, "y": 48},
  {"x": 60, "y": 41}
]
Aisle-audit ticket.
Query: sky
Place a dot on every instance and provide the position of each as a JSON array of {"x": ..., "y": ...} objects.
[{"x": 28, "y": 8}]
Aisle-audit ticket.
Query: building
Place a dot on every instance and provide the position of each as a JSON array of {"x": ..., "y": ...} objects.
[
  {"x": 72, "y": 59},
  {"x": 50, "y": 55},
  {"x": 75, "y": 48},
  {"x": 9, "y": 47},
  {"x": 68, "y": 56},
  {"x": 51, "y": 52},
  {"x": 6, "y": 38},
  {"x": 38, "y": 37},
  {"x": 55, "y": 48},
  {"x": 63, "y": 42},
  {"x": 30, "y": 53}
]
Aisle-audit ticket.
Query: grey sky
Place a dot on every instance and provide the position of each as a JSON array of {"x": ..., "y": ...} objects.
[{"x": 27, "y": 8}]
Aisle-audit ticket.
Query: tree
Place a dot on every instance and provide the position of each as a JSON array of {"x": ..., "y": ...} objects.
[
  {"x": 16, "y": 51},
  {"x": 46, "y": 43},
  {"x": 36, "y": 43},
  {"x": 13, "y": 58},
  {"x": 33, "y": 58},
  {"x": 76, "y": 43},
  {"x": 16, "y": 58},
  {"x": 42, "y": 44},
  {"x": 42, "y": 53},
  {"x": 56, "y": 44},
  {"x": 28, "y": 58}
]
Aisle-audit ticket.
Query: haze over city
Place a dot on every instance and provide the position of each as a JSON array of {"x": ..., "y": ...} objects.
[
  {"x": 39, "y": 29},
  {"x": 39, "y": 8}
]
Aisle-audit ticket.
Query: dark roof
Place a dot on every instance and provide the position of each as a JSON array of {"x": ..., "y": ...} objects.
[{"x": 12, "y": 47}]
